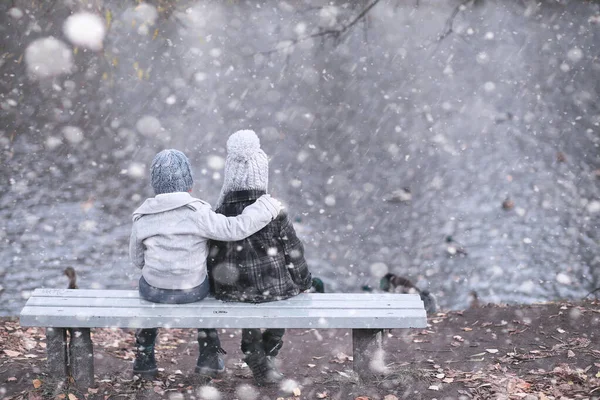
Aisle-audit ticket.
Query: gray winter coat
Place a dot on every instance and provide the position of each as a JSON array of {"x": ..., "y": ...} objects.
[{"x": 170, "y": 233}]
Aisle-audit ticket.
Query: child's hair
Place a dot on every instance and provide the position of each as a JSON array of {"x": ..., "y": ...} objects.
[{"x": 170, "y": 172}]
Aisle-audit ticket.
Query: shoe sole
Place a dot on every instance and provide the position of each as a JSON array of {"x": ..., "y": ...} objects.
[
  {"x": 209, "y": 372},
  {"x": 147, "y": 374}
]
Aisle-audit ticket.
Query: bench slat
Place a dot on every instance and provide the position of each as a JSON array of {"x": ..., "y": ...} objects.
[
  {"x": 258, "y": 317},
  {"x": 211, "y": 304},
  {"x": 120, "y": 294}
]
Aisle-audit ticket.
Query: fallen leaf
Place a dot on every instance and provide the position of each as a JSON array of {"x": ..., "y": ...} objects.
[
  {"x": 61, "y": 396},
  {"x": 322, "y": 395},
  {"x": 12, "y": 379},
  {"x": 12, "y": 353},
  {"x": 345, "y": 375},
  {"x": 92, "y": 390},
  {"x": 72, "y": 396},
  {"x": 492, "y": 351},
  {"x": 434, "y": 387},
  {"x": 448, "y": 380},
  {"x": 467, "y": 329},
  {"x": 37, "y": 383},
  {"x": 570, "y": 354},
  {"x": 477, "y": 355},
  {"x": 361, "y": 398},
  {"x": 440, "y": 376},
  {"x": 598, "y": 375},
  {"x": 297, "y": 392},
  {"x": 311, "y": 365},
  {"x": 560, "y": 330},
  {"x": 390, "y": 397}
]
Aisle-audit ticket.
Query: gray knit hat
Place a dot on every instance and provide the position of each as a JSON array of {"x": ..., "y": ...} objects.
[
  {"x": 246, "y": 166},
  {"x": 170, "y": 172}
]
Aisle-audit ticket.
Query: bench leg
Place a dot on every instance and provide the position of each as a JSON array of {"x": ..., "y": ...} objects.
[
  {"x": 56, "y": 349},
  {"x": 368, "y": 352},
  {"x": 81, "y": 357}
]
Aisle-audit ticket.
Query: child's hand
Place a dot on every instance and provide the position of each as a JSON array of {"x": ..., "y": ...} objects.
[{"x": 272, "y": 204}]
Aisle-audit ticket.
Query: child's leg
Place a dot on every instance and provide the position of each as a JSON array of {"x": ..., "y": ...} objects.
[
  {"x": 145, "y": 362},
  {"x": 251, "y": 341},
  {"x": 209, "y": 363},
  {"x": 272, "y": 340},
  {"x": 253, "y": 347}
]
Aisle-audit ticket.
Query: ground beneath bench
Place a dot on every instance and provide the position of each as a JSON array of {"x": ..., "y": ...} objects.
[{"x": 545, "y": 351}]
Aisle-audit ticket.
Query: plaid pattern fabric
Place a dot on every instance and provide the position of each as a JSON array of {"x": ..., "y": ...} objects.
[{"x": 266, "y": 266}]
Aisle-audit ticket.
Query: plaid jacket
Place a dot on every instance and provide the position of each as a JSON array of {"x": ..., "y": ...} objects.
[{"x": 266, "y": 266}]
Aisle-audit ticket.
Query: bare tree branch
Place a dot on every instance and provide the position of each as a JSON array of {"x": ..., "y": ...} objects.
[
  {"x": 450, "y": 20},
  {"x": 336, "y": 34}
]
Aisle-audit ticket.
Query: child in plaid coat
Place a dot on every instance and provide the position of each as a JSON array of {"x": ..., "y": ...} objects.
[{"x": 268, "y": 265}]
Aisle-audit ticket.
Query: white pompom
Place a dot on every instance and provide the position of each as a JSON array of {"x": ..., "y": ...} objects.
[{"x": 243, "y": 142}]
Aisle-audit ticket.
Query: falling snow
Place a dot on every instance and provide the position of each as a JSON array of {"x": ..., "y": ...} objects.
[
  {"x": 48, "y": 57},
  {"x": 86, "y": 30}
]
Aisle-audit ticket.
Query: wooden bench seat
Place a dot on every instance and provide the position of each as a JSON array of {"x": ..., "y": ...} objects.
[{"x": 60, "y": 309}]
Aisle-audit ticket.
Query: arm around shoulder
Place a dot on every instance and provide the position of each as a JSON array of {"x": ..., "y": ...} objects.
[{"x": 255, "y": 217}]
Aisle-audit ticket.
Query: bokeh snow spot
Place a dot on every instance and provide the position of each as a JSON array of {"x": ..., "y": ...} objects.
[
  {"x": 483, "y": 58},
  {"x": 330, "y": 200},
  {"x": 288, "y": 385},
  {"x": 526, "y": 287},
  {"x": 200, "y": 77},
  {"x": 53, "y": 142},
  {"x": 209, "y": 393},
  {"x": 86, "y": 30},
  {"x": 226, "y": 273},
  {"x": 378, "y": 269},
  {"x": 328, "y": 16},
  {"x": 246, "y": 392},
  {"x": 144, "y": 15},
  {"x": 489, "y": 87},
  {"x": 215, "y": 162},
  {"x": 16, "y": 13},
  {"x": 575, "y": 54},
  {"x": 300, "y": 28},
  {"x": 593, "y": 207},
  {"x": 563, "y": 278},
  {"x": 136, "y": 170},
  {"x": 73, "y": 134},
  {"x": 148, "y": 125},
  {"x": 48, "y": 57}
]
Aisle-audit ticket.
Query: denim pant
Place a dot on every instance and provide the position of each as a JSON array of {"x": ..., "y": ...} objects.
[{"x": 146, "y": 337}]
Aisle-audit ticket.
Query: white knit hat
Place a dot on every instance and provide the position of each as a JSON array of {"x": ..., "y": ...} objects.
[{"x": 246, "y": 166}]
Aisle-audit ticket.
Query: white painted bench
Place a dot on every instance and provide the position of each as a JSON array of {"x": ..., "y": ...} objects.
[{"x": 79, "y": 310}]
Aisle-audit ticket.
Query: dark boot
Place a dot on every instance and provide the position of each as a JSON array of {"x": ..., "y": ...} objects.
[
  {"x": 145, "y": 362},
  {"x": 209, "y": 363},
  {"x": 272, "y": 341},
  {"x": 262, "y": 366}
]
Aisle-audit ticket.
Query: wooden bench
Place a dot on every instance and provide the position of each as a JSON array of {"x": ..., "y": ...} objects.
[{"x": 60, "y": 310}]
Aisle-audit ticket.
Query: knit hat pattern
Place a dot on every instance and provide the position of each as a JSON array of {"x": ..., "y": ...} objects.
[
  {"x": 246, "y": 165},
  {"x": 171, "y": 172}
]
